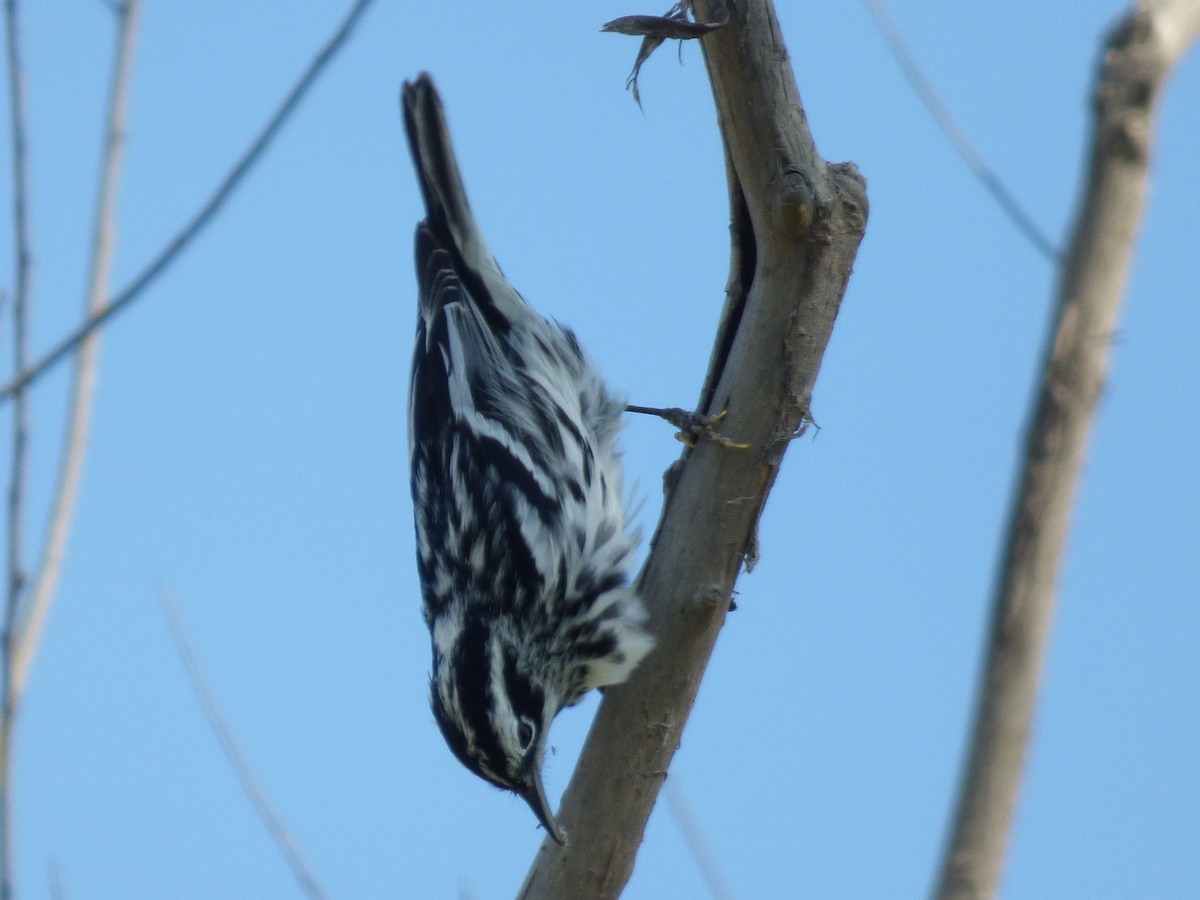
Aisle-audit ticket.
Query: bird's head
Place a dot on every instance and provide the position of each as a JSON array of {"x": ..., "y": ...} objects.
[{"x": 495, "y": 712}]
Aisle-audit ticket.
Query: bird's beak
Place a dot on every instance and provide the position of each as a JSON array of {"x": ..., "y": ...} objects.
[{"x": 535, "y": 795}]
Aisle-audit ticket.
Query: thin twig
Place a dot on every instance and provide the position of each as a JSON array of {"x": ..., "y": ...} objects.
[
  {"x": 55, "y": 881},
  {"x": 1137, "y": 57},
  {"x": 250, "y": 784},
  {"x": 1009, "y": 204},
  {"x": 203, "y": 216},
  {"x": 655, "y": 30},
  {"x": 697, "y": 844},
  {"x": 45, "y": 579},
  {"x": 15, "y": 587}
]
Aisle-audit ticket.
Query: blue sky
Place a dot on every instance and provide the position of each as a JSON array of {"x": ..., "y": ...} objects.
[{"x": 249, "y": 453}]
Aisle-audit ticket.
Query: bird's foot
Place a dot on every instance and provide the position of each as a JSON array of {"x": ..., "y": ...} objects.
[{"x": 693, "y": 427}]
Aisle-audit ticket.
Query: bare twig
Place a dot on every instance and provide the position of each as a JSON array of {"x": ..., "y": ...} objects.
[
  {"x": 1008, "y": 203},
  {"x": 250, "y": 784},
  {"x": 203, "y": 216},
  {"x": 15, "y": 586},
  {"x": 55, "y": 881},
  {"x": 668, "y": 28},
  {"x": 697, "y": 844},
  {"x": 654, "y": 30},
  {"x": 33, "y": 615},
  {"x": 1138, "y": 56},
  {"x": 797, "y": 223}
]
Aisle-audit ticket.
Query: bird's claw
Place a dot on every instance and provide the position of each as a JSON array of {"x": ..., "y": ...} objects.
[
  {"x": 694, "y": 427},
  {"x": 702, "y": 428}
]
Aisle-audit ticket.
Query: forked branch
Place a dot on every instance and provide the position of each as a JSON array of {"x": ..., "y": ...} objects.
[
  {"x": 14, "y": 591},
  {"x": 45, "y": 580},
  {"x": 203, "y": 216},
  {"x": 797, "y": 225}
]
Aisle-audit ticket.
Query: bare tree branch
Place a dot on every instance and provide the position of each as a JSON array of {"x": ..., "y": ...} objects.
[
  {"x": 1139, "y": 54},
  {"x": 245, "y": 775},
  {"x": 697, "y": 844},
  {"x": 15, "y": 586},
  {"x": 797, "y": 223},
  {"x": 67, "y": 345},
  {"x": 33, "y": 615},
  {"x": 991, "y": 182},
  {"x": 55, "y": 881}
]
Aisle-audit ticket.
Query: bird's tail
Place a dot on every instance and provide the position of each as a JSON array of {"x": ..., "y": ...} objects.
[
  {"x": 433, "y": 156},
  {"x": 448, "y": 213}
]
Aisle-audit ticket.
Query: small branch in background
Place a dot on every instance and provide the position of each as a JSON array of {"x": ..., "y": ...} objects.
[
  {"x": 1009, "y": 204},
  {"x": 1139, "y": 54},
  {"x": 697, "y": 844},
  {"x": 15, "y": 581},
  {"x": 250, "y": 784},
  {"x": 176, "y": 245},
  {"x": 45, "y": 579},
  {"x": 54, "y": 880}
]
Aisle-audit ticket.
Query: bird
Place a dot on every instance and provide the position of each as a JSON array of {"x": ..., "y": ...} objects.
[{"x": 524, "y": 551}]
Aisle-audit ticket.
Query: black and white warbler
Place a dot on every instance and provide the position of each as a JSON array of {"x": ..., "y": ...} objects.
[{"x": 522, "y": 546}]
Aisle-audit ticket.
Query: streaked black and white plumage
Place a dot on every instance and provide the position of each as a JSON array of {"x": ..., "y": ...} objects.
[{"x": 522, "y": 546}]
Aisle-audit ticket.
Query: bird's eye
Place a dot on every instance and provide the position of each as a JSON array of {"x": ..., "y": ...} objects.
[{"x": 525, "y": 733}]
